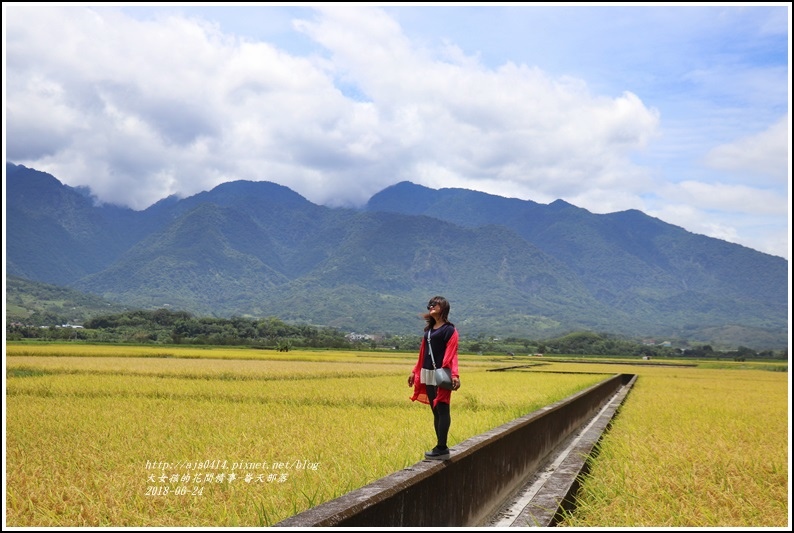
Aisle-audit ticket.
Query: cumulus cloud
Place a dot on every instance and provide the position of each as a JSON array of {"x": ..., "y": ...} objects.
[
  {"x": 764, "y": 156},
  {"x": 140, "y": 109}
]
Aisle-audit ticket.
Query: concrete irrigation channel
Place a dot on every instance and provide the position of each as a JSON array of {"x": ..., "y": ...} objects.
[{"x": 521, "y": 474}]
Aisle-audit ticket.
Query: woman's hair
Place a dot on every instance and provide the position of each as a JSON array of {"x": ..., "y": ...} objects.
[{"x": 444, "y": 311}]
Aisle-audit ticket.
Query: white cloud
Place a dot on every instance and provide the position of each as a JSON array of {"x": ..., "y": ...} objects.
[
  {"x": 719, "y": 210},
  {"x": 762, "y": 233},
  {"x": 763, "y": 156},
  {"x": 728, "y": 198},
  {"x": 139, "y": 109}
]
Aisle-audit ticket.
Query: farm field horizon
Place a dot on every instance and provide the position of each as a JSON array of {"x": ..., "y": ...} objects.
[{"x": 103, "y": 435}]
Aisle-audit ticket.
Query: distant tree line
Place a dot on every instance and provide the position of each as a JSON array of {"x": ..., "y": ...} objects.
[
  {"x": 589, "y": 343},
  {"x": 163, "y": 326},
  {"x": 604, "y": 344}
]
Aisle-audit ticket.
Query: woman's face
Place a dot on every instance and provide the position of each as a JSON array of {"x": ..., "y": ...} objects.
[{"x": 434, "y": 308}]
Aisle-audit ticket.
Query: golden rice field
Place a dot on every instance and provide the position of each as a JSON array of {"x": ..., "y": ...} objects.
[
  {"x": 145, "y": 436},
  {"x": 694, "y": 447},
  {"x": 178, "y": 436}
]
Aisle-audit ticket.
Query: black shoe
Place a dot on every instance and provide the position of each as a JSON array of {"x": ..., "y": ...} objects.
[{"x": 437, "y": 454}]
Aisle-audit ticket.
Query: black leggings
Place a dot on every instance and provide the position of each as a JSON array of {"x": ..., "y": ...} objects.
[{"x": 441, "y": 417}]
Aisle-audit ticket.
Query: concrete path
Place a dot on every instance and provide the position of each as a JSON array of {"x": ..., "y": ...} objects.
[{"x": 538, "y": 502}]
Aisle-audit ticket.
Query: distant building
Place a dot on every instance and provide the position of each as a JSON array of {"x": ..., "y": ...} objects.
[{"x": 355, "y": 337}]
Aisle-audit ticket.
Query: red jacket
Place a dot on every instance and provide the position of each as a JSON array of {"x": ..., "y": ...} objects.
[{"x": 450, "y": 361}]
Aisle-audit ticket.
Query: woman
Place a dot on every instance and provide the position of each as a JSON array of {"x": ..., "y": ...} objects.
[{"x": 441, "y": 340}]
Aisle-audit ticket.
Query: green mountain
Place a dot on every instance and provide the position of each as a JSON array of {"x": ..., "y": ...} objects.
[
  {"x": 628, "y": 261},
  {"x": 43, "y": 304},
  {"x": 509, "y": 267}
]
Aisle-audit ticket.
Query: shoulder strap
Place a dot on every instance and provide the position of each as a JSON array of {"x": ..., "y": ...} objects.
[{"x": 430, "y": 347}]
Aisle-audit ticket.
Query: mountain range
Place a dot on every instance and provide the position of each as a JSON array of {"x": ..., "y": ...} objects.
[{"x": 509, "y": 267}]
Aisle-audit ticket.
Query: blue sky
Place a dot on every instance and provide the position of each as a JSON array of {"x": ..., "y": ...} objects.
[{"x": 680, "y": 111}]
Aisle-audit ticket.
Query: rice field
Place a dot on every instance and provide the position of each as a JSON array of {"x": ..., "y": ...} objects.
[
  {"x": 181, "y": 437},
  {"x": 694, "y": 447}
]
